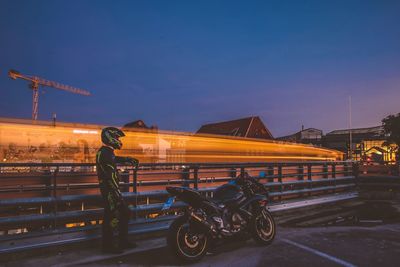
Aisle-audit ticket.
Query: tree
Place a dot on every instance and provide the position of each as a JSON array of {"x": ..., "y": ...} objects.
[{"x": 391, "y": 125}]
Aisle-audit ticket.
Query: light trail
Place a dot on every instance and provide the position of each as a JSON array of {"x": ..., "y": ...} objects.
[{"x": 22, "y": 141}]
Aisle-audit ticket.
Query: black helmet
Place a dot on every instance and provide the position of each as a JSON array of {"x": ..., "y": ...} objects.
[{"x": 110, "y": 136}]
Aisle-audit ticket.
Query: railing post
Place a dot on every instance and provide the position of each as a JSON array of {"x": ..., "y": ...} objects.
[
  {"x": 232, "y": 173},
  {"x": 309, "y": 178},
  {"x": 356, "y": 172},
  {"x": 300, "y": 177},
  {"x": 300, "y": 172},
  {"x": 345, "y": 168},
  {"x": 130, "y": 172},
  {"x": 55, "y": 197},
  {"x": 280, "y": 180},
  {"x": 242, "y": 172},
  {"x": 270, "y": 171},
  {"x": 356, "y": 169},
  {"x": 325, "y": 170},
  {"x": 135, "y": 190},
  {"x": 196, "y": 177},
  {"x": 185, "y": 176},
  {"x": 135, "y": 180},
  {"x": 125, "y": 179},
  {"x": 333, "y": 165}
]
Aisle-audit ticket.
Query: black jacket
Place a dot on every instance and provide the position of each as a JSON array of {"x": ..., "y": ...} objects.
[{"x": 107, "y": 172}]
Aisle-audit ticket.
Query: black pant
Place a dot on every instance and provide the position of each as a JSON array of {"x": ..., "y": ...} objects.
[{"x": 122, "y": 214}]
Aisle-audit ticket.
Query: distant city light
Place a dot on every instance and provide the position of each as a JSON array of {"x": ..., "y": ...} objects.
[{"x": 75, "y": 131}]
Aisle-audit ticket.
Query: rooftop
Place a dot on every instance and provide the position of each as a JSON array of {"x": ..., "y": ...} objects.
[
  {"x": 370, "y": 130},
  {"x": 251, "y": 127}
]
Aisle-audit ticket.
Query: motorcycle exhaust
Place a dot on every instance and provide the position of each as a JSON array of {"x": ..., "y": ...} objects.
[
  {"x": 210, "y": 227},
  {"x": 205, "y": 223}
]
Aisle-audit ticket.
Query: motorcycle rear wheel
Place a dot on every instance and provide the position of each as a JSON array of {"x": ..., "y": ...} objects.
[{"x": 184, "y": 243}]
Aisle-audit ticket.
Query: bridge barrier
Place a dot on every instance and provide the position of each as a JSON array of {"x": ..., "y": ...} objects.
[
  {"x": 39, "y": 198},
  {"x": 34, "y": 243}
]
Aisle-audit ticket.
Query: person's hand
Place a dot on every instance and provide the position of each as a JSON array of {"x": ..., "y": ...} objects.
[{"x": 133, "y": 161}]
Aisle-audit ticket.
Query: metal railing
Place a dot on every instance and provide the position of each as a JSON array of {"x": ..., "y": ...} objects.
[{"x": 40, "y": 196}]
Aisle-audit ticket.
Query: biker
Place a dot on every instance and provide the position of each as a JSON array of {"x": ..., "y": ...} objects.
[{"x": 116, "y": 211}]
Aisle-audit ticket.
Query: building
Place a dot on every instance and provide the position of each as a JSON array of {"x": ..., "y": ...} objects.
[
  {"x": 139, "y": 124},
  {"x": 305, "y": 136},
  {"x": 251, "y": 127},
  {"x": 367, "y": 143}
]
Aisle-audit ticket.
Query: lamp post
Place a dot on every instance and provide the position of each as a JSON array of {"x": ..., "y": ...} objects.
[{"x": 350, "y": 133}]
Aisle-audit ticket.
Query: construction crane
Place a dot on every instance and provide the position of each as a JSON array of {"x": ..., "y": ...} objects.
[{"x": 34, "y": 85}]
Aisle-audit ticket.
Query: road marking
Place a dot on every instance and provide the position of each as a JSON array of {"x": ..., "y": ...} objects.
[{"x": 319, "y": 253}]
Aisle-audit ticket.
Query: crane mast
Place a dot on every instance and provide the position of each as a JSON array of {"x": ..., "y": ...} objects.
[{"x": 35, "y": 82}]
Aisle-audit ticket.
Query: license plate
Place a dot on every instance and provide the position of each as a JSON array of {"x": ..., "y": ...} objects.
[{"x": 167, "y": 205}]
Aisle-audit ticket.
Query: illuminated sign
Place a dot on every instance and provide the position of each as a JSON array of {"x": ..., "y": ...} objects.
[{"x": 75, "y": 131}]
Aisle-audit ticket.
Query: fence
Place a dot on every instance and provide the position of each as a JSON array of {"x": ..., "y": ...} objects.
[{"x": 41, "y": 197}]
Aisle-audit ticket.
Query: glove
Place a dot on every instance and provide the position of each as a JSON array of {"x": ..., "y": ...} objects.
[{"x": 133, "y": 161}]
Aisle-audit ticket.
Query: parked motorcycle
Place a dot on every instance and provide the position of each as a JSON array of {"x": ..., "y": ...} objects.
[{"x": 237, "y": 207}]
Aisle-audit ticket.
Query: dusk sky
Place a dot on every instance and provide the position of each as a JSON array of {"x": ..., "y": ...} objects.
[{"x": 181, "y": 64}]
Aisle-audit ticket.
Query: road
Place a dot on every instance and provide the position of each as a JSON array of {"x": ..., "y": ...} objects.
[
  {"x": 326, "y": 246},
  {"x": 316, "y": 246}
]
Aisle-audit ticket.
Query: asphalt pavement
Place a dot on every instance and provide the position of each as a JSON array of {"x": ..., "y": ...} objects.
[
  {"x": 310, "y": 246},
  {"x": 322, "y": 246}
]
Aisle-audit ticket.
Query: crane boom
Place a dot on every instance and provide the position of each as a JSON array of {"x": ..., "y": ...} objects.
[
  {"x": 34, "y": 85},
  {"x": 40, "y": 81}
]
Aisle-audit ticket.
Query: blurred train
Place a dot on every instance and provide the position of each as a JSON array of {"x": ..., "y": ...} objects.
[{"x": 41, "y": 141}]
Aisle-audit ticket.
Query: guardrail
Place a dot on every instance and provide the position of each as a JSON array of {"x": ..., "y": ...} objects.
[{"x": 43, "y": 197}]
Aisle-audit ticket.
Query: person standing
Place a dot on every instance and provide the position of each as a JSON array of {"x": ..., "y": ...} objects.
[{"x": 116, "y": 211}]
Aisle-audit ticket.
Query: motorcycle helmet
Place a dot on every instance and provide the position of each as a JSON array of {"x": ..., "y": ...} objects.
[{"x": 110, "y": 137}]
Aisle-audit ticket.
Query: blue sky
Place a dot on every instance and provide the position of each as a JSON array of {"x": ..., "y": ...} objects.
[{"x": 180, "y": 64}]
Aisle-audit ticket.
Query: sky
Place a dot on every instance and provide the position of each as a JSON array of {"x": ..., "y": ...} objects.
[{"x": 181, "y": 64}]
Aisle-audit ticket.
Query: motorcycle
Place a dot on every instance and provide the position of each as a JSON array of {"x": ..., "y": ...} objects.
[{"x": 236, "y": 208}]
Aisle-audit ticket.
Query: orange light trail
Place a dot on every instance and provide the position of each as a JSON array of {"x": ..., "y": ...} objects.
[{"x": 22, "y": 141}]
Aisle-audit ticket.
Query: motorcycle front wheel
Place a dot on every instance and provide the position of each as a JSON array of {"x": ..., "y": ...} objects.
[
  {"x": 263, "y": 227},
  {"x": 184, "y": 242}
]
